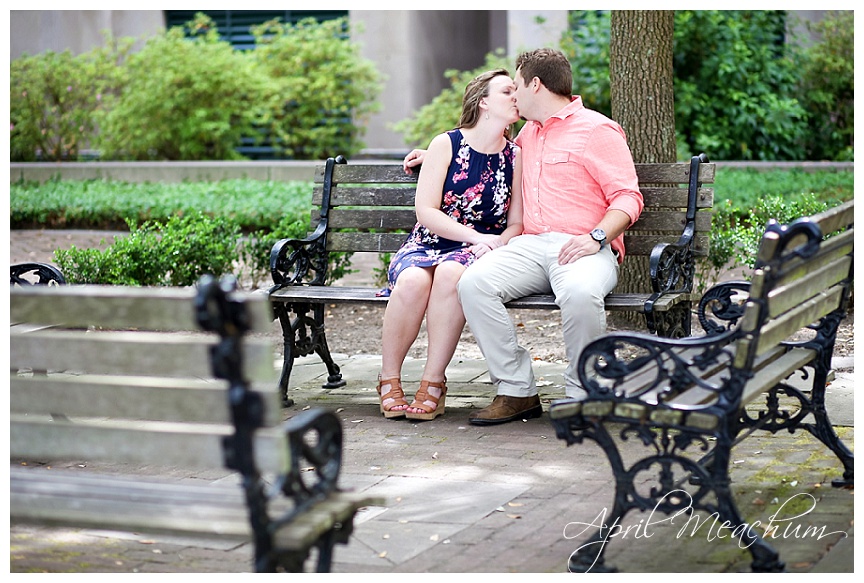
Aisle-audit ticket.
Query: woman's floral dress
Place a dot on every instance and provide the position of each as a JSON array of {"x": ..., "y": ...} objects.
[{"x": 476, "y": 193}]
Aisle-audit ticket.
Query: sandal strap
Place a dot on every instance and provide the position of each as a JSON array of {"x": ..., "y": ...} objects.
[
  {"x": 395, "y": 393},
  {"x": 422, "y": 395}
]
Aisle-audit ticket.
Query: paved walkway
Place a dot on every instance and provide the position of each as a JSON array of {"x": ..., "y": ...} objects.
[{"x": 508, "y": 498}]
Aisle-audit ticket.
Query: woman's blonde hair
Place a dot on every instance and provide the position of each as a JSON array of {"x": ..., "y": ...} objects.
[{"x": 476, "y": 90}]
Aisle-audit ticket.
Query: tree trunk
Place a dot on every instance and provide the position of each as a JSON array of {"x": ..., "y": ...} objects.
[{"x": 641, "y": 87}]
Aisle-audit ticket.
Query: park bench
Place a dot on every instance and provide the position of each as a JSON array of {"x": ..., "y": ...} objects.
[
  {"x": 36, "y": 274},
  {"x": 370, "y": 207},
  {"x": 111, "y": 385},
  {"x": 690, "y": 400}
]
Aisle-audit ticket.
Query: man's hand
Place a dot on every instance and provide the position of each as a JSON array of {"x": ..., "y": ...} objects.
[
  {"x": 412, "y": 160},
  {"x": 577, "y": 247}
]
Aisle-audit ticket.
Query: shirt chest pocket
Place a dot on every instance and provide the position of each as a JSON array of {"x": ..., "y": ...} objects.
[
  {"x": 559, "y": 167},
  {"x": 556, "y": 157}
]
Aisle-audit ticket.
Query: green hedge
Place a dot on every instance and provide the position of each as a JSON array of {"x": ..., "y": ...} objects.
[
  {"x": 99, "y": 204},
  {"x": 236, "y": 222}
]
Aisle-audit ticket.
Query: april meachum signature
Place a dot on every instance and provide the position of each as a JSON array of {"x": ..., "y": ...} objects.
[{"x": 778, "y": 526}]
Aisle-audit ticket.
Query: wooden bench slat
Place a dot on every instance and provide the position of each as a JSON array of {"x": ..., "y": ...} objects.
[
  {"x": 830, "y": 220},
  {"x": 674, "y": 172},
  {"x": 150, "y": 442},
  {"x": 834, "y": 249},
  {"x": 146, "y": 398},
  {"x": 779, "y": 370},
  {"x": 365, "y": 242},
  {"x": 307, "y": 528},
  {"x": 808, "y": 285},
  {"x": 207, "y": 510},
  {"x": 653, "y": 196},
  {"x": 672, "y": 221},
  {"x": 56, "y": 497},
  {"x": 676, "y": 197},
  {"x": 388, "y": 172},
  {"x": 636, "y": 244},
  {"x": 119, "y": 307},
  {"x": 370, "y": 172},
  {"x": 372, "y": 219},
  {"x": 363, "y": 295},
  {"x": 132, "y": 353},
  {"x": 786, "y": 325},
  {"x": 365, "y": 196}
]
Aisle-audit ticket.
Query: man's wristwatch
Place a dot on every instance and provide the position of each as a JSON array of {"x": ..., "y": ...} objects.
[{"x": 599, "y": 235}]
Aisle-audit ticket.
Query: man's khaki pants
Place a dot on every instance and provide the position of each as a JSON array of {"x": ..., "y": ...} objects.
[{"x": 528, "y": 264}]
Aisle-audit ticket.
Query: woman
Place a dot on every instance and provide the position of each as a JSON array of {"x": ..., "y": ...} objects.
[{"x": 468, "y": 203}]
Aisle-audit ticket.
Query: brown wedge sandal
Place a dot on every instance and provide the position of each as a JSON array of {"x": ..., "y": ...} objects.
[
  {"x": 394, "y": 395},
  {"x": 422, "y": 396}
]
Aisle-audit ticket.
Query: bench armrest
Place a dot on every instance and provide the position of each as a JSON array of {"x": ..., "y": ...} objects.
[
  {"x": 609, "y": 365},
  {"x": 291, "y": 260},
  {"x": 315, "y": 442},
  {"x": 722, "y": 306},
  {"x": 46, "y": 273},
  {"x": 672, "y": 265}
]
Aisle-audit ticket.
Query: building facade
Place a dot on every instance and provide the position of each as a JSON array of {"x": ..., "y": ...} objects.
[{"x": 412, "y": 48}]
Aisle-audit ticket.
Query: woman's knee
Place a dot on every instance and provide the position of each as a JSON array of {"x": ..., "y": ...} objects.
[
  {"x": 447, "y": 274},
  {"x": 414, "y": 283}
]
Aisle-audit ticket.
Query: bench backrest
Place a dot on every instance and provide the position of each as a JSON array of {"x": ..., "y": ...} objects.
[
  {"x": 124, "y": 374},
  {"x": 803, "y": 274},
  {"x": 370, "y": 207}
]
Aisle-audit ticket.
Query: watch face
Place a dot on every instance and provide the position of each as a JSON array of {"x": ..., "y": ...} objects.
[{"x": 598, "y": 235}]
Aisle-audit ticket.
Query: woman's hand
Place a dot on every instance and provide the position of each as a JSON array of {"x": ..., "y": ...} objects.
[
  {"x": 485, "y": 244},
  {"x": 413, "y": 159}
]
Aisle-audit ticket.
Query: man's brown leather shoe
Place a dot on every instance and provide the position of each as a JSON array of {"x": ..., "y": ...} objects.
[{"x": 504, "y": 409}]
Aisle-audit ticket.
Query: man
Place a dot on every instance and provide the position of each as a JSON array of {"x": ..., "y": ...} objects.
[{"x": 580, "y": 193}]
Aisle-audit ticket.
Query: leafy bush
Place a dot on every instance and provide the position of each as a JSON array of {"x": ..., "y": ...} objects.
[
  {"x": 316, "y": 82},
  {"x": 746, "y": 199},
  {"x": 442, "y": 113},
  {"x": 197, "y": 98},
  {"x": 186, "y": 229},
  {"x": 54, "y": 98},
  {"x": 177, "y": 253},
  {"x": 737, "y": 95},
  {"x": 186, "y": 99},
  {"x": 735, "y": 87},
  {"x": 255, "y": 250},
  {"x": 586, "y": 44},
  {"x": 827, "y": 88}
]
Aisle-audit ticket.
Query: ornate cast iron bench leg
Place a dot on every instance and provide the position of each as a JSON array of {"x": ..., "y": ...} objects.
[
  {"x": 301, "y": 336},
  {"x": 672, "y": 324},
  {"x": 666, "y": 495}
]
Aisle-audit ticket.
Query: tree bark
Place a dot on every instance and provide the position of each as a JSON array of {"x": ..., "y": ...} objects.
[
  {"x": 641, "y": 81},
  {"x": 642, "y": 95}
]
